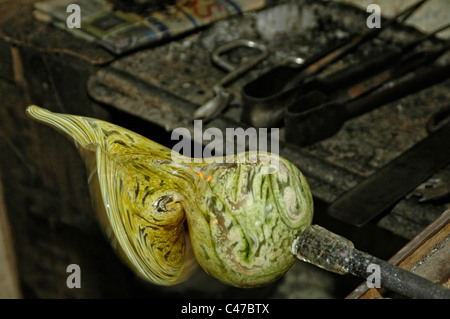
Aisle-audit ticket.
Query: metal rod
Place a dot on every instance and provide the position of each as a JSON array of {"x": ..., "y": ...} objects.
[
  {"x": 335, "y": 253},
  {"x": 314, "y": 65}
]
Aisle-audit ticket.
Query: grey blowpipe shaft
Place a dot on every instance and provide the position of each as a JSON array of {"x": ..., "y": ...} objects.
[{"x": 323, "y": 248}]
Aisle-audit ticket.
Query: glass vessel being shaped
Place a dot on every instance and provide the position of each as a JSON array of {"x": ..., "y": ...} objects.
[{"x": 163, "y": 214}]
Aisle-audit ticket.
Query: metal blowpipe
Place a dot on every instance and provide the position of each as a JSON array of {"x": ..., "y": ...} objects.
[{"x": 327, "y": 250}]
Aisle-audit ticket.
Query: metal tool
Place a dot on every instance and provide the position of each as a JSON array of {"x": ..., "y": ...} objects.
[
  {"x": 265, "y": 97},
  {"x": 320, "y": 62},
  {"x": 322, "y": 248},
  {"x": 394, "y": 181},
  {"x": 430, "y": 242},
  {"x": 383, "y": 61},
  {"x": 323, "y": 110},
  {"x": 221, "y": 97}
]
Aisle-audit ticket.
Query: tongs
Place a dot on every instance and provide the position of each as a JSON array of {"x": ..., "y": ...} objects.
[
  {"x": 221, "y": 97},
  {"x": 325, "y": 107},
  {"x": 264, "y": 98}
]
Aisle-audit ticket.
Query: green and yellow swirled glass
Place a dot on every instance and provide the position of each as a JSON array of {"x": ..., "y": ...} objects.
[{"x": 240, "y": 220}]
